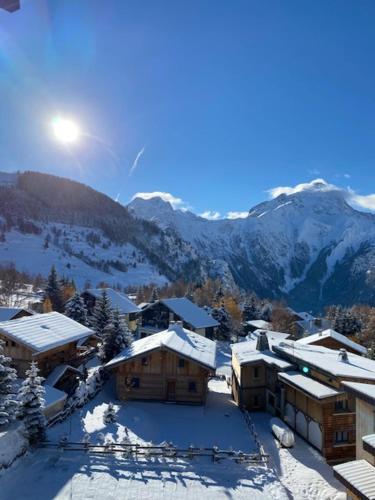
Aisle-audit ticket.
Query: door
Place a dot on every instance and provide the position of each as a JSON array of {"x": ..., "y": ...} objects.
[{"x": 171, "y": 390}]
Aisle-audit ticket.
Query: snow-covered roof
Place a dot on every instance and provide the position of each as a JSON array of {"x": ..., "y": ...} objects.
[
  {"x": 361, "y": 390},
  {"x": 246, "y": 353},
  {"x": 58, "y": 372},
  {"x": 42, "y": 332},
  {"x": 311, "y": 339},
  {"x": 271, "y": 335},
  {"x": 118, "y": 300},
  {"x": 259, "y": 324},
  {"x": 309, "y": 326},
  {"x": 358, "y": 476},
  {"x": 307, "y": 384},
  {"x": 369, "y": 443},
  {"x": 7, "y": 313},
  {"x": 52, "y": 396},
  {"x": 305, "y": 316},
  {"x": 328, "y": 360},
  {"x": 189, "y": 312},
  {"x": 177, "y": 339}
]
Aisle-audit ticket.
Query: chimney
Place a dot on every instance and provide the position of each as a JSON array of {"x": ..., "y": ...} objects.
[
  {"x": 262, "y": 341},
  {"x": 343, "y": 355}
]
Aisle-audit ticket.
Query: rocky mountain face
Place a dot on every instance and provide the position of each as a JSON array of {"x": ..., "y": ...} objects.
[{"x": 309, "y": 247}]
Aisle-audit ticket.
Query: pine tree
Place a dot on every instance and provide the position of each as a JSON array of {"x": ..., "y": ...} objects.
[
  {"x": 31, "y": 405},
  {"x": 154, "y": 295},
  {"x": 75, "y": 309},
  {"x": 8, "y": 376},
  {"x": 53, "y": 291},
  {"x": 250, "y": 310},
  {"x": 102, "y": 315},
  {"x": 371, "y": 351},
  {"x": 109, "y": 415},
  {"x": 224, "y": 320},
  {"x": 116, "y": 337}
]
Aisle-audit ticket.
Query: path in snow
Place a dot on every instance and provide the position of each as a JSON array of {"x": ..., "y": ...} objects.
[{"x": 301, "y": 469}]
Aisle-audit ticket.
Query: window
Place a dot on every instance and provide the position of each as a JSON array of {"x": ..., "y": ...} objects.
[
  {"x": 256, "y": 372},
  {"x": 145, "y": 361},
  {"x": 135, "y": 382},
  {"x": 181, "y": 363},
  {"x": 341, "y": 405},
  {"x": 341, "y": 437},
  {"x": 13, "y": 344},
  {"x": 192, "y": 387},
  {"x": 256, "y": 401}
]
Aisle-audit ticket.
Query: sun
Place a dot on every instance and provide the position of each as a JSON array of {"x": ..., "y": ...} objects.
[{"x": 65, "y": 130}]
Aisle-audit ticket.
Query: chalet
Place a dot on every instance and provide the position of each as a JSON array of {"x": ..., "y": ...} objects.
[
  {"x": 158, "y": 315},
  {"x": 365, "y": 424},
  {"x": 127, "y": 308},
  {"x": 255, "y": 369},
  {"x": 307, "y": 324},
  {"x": 8, "y": 313},
  {"x": 333, "y": 340},
  {"x": 64, "y": 378},
  {"x": 50, "y": 339},
  {"x": 257, "y": 324},
  {"x": 54, "y": 401},
  {"x": 173, "y": 365},
  {"x": 316, "y": 402}
]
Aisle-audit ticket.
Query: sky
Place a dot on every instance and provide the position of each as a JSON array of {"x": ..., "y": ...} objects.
[{"x": 216, "y": 102}]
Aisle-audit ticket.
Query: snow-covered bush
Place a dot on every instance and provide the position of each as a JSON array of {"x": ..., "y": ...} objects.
[
  {"x": 31, "y": 405},
  {"x": 109, "y": 415},
  {"x": 87, "y": 388}
]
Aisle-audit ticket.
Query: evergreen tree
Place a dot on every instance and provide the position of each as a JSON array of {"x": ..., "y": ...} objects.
[
  {"x": 371, "y": 351},
  {"x": 224, "y": 320},
  {"x": 109, "y": 415},
  {"x": 53, "y": 291},
  {"x": 154, "y": 295},
  {"x": 8, "y": 376},
  {"x": 75, "y": 309},
  {"x": 251, "y": 310},
  {"x": 116, "y": 337},
  {"x": 102, "y": 315},
  {"x": 219, "y": 297},
  {"x": 31, "y": 405}
]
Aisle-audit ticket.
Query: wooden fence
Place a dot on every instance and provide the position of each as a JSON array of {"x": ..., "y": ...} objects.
[{"x": 135, "y": 451}]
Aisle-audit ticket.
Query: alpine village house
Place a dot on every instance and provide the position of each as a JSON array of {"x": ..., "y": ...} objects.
[
  {"x": 157, "y": 315},
  {"x": 303, "y": 384},
  {"x": 173, "y": 365}
]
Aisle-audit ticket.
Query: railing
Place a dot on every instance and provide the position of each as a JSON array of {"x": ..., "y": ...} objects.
[{"x": 135, "y": 451}]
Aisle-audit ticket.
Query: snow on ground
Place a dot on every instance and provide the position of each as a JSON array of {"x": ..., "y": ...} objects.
[
  {"x": 301, "y": 469},
  {"x": 224, "y": 358},
  {"x": 47, "y": 474},
  {"x": 27, "y": 253}
]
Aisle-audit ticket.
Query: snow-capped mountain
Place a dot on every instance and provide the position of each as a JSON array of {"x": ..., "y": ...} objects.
[{"x": 310, "y": 246}]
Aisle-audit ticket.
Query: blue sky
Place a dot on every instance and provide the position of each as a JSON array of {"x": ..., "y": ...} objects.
[{"x": 220, "y": 100}]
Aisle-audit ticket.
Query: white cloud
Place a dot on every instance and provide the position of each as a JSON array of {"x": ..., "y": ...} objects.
[
  {"x": 173, "y": 200},
  {"x": 366, "y": 202},
  {"x": 237, "y": 215},
  {"x": 211, "y": 215},
  {"x": 317, "y": 184},
  {"x": 137, "y": 158},
  {"x": 347, "y": 176}
]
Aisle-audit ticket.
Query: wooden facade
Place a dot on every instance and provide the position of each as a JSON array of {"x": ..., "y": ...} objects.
[
  {"x": 162, "y": 375},
  {"x": 47, "y": 361}
]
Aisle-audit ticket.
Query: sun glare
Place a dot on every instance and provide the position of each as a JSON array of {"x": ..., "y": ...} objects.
[{"x": 65, "y": 130}]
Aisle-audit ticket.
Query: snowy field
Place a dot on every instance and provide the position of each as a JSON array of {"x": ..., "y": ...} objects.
[{"x": 47, "y": 474}]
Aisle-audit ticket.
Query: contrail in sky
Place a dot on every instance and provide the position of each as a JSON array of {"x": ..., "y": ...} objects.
[{"x": 137, "y": 158}]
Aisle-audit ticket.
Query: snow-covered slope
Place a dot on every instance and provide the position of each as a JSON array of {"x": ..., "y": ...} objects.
[{"x": 309, "y": 246}]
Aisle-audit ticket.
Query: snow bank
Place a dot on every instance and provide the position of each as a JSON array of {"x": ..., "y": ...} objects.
[
  {"x": 282, "y": 432},
  {"x": 12, "y": 445}
]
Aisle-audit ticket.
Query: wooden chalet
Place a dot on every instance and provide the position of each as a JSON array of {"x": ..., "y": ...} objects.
[
  {"x": 317, "y": 404},
  {"x": 157, "y": 316},
  {"x": 127, "y": 308},
  {"x": 333, "y": 340},
  {"x": 49, "y": 339},
  {"x": 173, "y": 365},
  {"x": 305, "y": 386}
]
